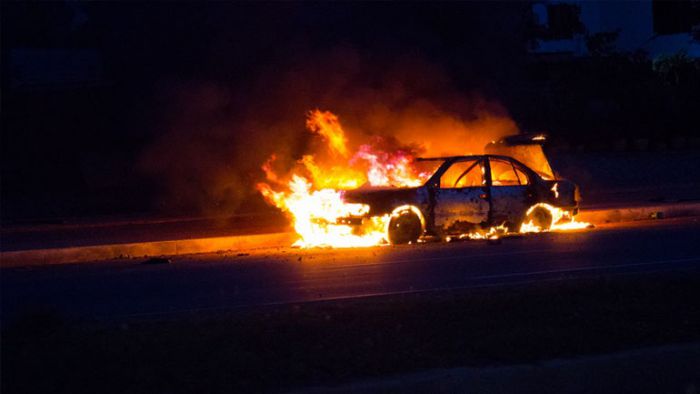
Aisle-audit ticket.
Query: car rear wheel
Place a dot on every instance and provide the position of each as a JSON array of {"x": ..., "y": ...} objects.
[{"x": 404, "y": 227}]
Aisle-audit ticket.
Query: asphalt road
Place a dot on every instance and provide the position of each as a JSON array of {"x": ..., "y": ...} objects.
[{"x": 126, "y": 289}]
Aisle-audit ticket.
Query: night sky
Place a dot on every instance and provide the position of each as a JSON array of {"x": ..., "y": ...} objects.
[{"x": 114, "y": 82}]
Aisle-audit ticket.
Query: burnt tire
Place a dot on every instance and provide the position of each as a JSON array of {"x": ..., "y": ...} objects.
[
  {"x": 540, "y": 217},
  {"x": 404, "y": 228}
]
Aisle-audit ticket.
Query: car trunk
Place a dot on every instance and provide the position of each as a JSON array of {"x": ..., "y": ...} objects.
[{"x": 525, "y": 148}]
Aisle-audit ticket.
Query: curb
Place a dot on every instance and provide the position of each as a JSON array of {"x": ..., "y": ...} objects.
[
  {"x": 241, "y": 242},
  {"x": 628, "y": 214},
  {"x": 143, "y": 249}
]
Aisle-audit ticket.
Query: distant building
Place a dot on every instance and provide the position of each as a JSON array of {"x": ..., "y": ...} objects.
[{"x": 582, "y": 28}]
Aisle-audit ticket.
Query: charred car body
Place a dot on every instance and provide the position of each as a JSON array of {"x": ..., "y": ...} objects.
[{"x": 473, "y": 193}]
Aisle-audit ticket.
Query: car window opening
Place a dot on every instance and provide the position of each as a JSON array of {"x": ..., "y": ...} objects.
[
  {"x": 504, "y": 173},
  {"x": 463, "y": 174}
]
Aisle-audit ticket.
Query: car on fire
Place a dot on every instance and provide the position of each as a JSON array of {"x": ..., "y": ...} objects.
[{"x": 467, "y": 194}]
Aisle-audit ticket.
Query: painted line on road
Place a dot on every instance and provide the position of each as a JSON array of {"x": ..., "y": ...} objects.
[
  {"x": 591, "y": 268},
  {"x": 444, "y": 258}
]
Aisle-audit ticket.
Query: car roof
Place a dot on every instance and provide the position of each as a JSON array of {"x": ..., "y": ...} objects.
[
  {"x": 451, "y": 159},
  {"x": 468, "y": 157}
]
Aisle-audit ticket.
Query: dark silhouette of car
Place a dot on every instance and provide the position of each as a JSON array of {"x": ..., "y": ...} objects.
[{"x": 467, "y": 194}]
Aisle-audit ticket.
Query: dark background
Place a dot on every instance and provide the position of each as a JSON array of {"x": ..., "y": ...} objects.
[{"x": 94, "y": 127}]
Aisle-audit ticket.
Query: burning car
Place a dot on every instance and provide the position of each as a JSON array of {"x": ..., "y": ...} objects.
[
  {"x": 509, "y": 188},
  {"x": 475, "y": 195}
]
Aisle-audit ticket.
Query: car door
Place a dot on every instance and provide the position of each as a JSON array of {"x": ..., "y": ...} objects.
[
  {"x": 510, "y": 191},
  {"x": 462, "y": 194}
]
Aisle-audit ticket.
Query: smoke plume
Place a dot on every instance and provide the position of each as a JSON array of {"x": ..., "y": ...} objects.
[{"x": 214, "y": 137}]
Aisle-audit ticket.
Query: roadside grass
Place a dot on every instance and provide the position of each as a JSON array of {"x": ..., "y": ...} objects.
[{"x": 281, "y": 347}]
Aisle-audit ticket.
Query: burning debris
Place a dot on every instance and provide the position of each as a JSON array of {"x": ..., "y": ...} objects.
[{"x": 344, "y": 197}]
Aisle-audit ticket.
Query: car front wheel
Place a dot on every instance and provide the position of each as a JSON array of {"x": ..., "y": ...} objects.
[{"x": 404, "y": 227}]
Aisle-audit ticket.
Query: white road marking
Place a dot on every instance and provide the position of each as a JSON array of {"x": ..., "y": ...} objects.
[
  {"x": 443, "y": 258},
  {"x": 590, "y": 268}
]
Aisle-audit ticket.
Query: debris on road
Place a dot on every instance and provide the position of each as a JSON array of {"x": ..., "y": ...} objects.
[{"x": 157, "y": 260}]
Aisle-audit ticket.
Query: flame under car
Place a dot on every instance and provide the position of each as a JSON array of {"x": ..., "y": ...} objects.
[{"x": 469, "y": 194}]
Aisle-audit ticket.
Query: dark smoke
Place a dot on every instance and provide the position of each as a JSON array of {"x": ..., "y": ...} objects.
[{"x": 215, "y": 138}]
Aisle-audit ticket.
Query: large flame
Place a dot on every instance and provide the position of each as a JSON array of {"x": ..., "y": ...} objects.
[
  {"x": 312, "y": 193},
  {"x": 316, "y": 214},
  {"x": 327, "y": 125}
]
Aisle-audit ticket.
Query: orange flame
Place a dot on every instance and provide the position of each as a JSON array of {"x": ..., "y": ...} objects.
[
  {"x": 328, "y": 126},
  {"x": 315, "y": 201}
]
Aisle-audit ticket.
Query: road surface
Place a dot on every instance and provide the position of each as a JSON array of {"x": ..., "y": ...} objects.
[{"x": 126, "y": 289}]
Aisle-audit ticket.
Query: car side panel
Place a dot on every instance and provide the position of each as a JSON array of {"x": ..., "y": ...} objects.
[
  {"x": 560, "y": 193},
  {"x": 465, "y": 205},
  {"x": 509, "y": 203}
]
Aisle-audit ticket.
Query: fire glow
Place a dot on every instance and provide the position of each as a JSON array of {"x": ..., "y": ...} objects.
[
  {"x": 313, "y": 196},
  {"x": 312, "y": 193}
]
